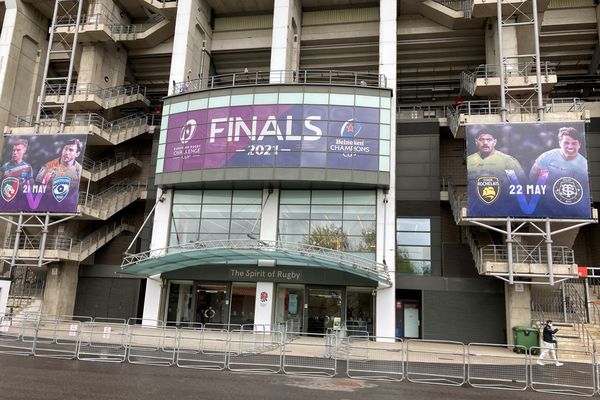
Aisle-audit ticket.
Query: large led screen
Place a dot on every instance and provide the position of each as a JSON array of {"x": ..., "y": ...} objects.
[
  {"x": 312, "y": 136},
  {"x": 536, "y": 170},
  {"x": 41, "y": 173}
]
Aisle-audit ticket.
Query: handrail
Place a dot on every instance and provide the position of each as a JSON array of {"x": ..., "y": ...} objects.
[
  {"x": 354, "y": 261},
  {"x": 527, "y": 254},
  {"x": 316, "y": 77},
  {"x": 108, "y": 195},
  {"x": 486, "y": 107},
  {"x": 60, "y": 89},
  {"x": 64, "y": 243},
  {"x": 88, "y": 119},
  {"x": 525, "y": 68},
  {"x": 94, "y": 166}
]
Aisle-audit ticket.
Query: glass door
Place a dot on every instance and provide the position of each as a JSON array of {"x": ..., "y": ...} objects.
[
  {"x": 243, "y": 297},
  {"x": 324, "y": 309},
  {"x": 180, "y": 310},
  {"x": 212, "y": 305}
]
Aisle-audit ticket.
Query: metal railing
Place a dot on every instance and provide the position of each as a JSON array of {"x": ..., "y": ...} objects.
[
  {"x": 465, "y": 6},
  {"x": 70, "y": 245},
  {"x": 109, "y": 195},
  {"x": 97, "y": 166},
  {"x": 348, "y": 260},
  {"x": 310, "y": 77},
  {"x": 88, "y": 89},
  {"x": 487, "y": 107},
  {"x": 131, "y": 31},
  {"x": 422, "y": 112},
  {"x": 440, "y": 362},
  {"x": 527, "y": 254},
  {"x": 88, "y": 119}
]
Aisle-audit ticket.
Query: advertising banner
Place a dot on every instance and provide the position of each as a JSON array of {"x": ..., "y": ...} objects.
[
  {"x": 536, "y": 170},
  {"x": 41, "y": 173},
  {"x": 315, "y": 136}
]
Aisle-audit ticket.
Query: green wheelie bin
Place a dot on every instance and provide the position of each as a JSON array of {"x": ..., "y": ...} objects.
[{"x": 527, "y": 337}]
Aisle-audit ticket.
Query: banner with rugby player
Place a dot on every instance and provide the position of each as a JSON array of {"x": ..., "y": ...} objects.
[
  {"x": 41, "y": 173},
  {"x": 536, "y": 170}
]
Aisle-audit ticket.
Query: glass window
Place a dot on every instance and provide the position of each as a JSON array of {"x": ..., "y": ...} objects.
[
  {"x": 342, "y": 220},
  {"x": 413, "y": 246},
  {"x": 214, "y": 214}
]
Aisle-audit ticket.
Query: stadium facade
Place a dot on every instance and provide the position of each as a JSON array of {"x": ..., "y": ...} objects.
[{"x": 303, "y": 162}]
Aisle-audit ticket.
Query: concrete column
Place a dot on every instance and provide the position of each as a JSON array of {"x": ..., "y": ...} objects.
[
  {"x": 263, "y": 310},
  {"x": 23, "y": 46},
  {"x": 518, "y": 307},
  {"x": 192, "y": 34},
  {"x": 160, "y": 240},
  {"x": 4, "y": 290},
  {"x": 510, "y": 45},
  {"x": 107, "y": 12},
  {"x": 386, "y": 247},
  {"x": 285, "y": 49},
  {"x": 61, "y": 288},
  {"x": 102, "y": 65}
]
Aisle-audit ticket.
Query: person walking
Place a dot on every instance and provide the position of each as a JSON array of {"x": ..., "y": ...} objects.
[{"x": 549, "y": 344}]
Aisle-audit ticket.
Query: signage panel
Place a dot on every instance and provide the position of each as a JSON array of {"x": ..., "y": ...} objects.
[
  {"x": 41, "y": 173},
  {"x": 537, "y": 170},
  {"x": 315, "y": 136}
]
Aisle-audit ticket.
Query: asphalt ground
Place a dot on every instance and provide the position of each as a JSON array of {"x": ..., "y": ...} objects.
[{"x": 33, "y": 378}]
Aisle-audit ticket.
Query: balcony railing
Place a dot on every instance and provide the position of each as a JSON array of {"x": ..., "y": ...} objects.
[
  {"x": 89, "y": 119},
  {"x": 464, "y": 6},
  {"x": 311, "y": 77},
  {"x": 486, "y": 107},
  {"x": 527, "y": 254},
  {"x": 87, "y": 89}
]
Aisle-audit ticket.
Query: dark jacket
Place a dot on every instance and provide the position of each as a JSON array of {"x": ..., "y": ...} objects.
[{"x": 549, "y": 334}]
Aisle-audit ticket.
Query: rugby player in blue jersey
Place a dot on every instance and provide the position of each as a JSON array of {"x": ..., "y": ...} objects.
[
  {"x": 564, "y": 161},
  {"x": 16, "y": 167}
]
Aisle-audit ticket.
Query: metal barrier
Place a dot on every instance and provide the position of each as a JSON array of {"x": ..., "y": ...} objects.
[
  {"x": 435, "y": 362},
  {"x": 151, "y": 344},
  {"x": 497, "y": 366},
  {"x": 17, "y": 335},
  {"x": 573, "y": 376},
  {"x": 375, "y": 358},
  {"x": 103, "y": 340},
  {"x": 202, "y": 348},
  {"x": 308, "y": 354},
  {"x": 255, "y": 351},
  {"x": 57, "y": 338}
]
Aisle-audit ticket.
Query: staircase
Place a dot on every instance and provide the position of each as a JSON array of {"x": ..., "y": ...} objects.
[
  {"x": 103, "y": 131},
  {"x": 579, "y": 331},
  {"x": 88, "y": 96},
  {"x": 110, "y": 201},
  {"x": 60, "y": 247},
  {"x": 168, "y": 8},
  {"x": 96, "y": 170}
]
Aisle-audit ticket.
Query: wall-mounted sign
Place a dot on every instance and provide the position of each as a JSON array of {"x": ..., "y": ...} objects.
[
  {"x": 41, "y": 173},
  {"x": 301, "y": 135},
  {"x": 528, "y": 170}
]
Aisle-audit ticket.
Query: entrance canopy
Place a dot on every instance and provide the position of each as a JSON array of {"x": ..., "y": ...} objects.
[{"x": 212, "y": 252}]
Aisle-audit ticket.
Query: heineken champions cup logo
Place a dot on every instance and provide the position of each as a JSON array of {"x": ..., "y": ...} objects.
[{"x": 488, "y": 188}]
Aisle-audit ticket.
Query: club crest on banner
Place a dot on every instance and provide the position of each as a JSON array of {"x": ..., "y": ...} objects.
[
  {"x": 10, "y": 188},
  {"x": 60, "y": 188},
  {"x": 488, "y": 188}
]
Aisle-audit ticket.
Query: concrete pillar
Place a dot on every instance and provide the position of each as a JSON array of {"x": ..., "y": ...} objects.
[
  {"x": 102, "y": 65},
  {"x": 192, "y": 34},
  {"x": 285, "y": 49},
  {"x": 386, "y": 247},
  {"x": 517, "y": 299},
  {"x": 107, "y": 12},
  {"x": 23, "y": 46},
  {"x": 4, "y": 290},
  {"x": 160, "y": 240},
  {"x": 61, "y": 288},
  {"x": 509, "y": 46},
  {"x": 263, "y": 307}
]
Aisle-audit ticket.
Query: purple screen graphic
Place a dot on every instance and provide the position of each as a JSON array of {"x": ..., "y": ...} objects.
[
  {"x": 41, "y": 173},
  {"x": 311, "y": 136}
]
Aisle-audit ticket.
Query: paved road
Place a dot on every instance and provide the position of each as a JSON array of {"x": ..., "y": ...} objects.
[{"x": 34, "y": 378}]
